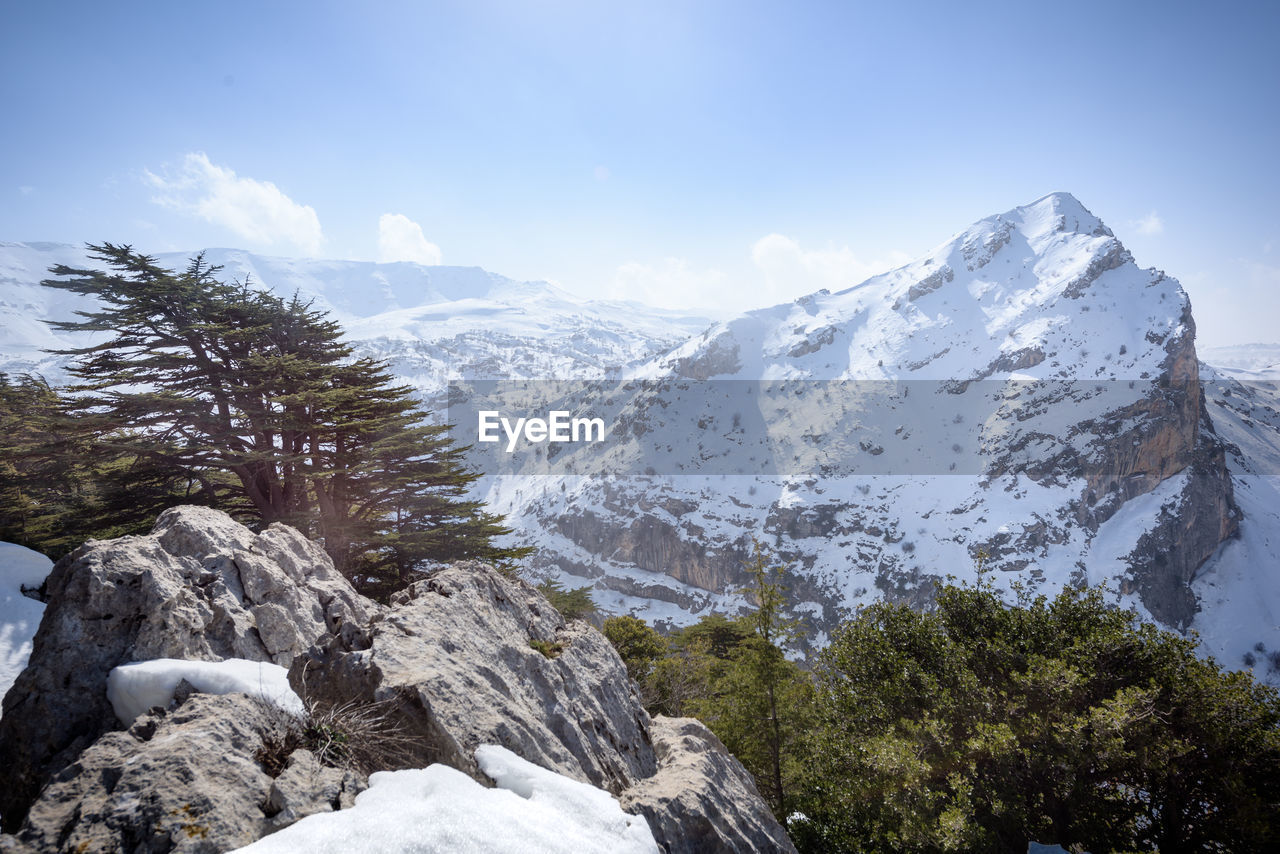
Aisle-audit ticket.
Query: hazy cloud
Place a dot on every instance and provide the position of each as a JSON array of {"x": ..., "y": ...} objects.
[
  {"x": 670, "y": 284},
  {"x": 401, "y": 239},
  {"x": 783, "y": 270},
  {"x": 257, "y": 211},
  {"x": 1151, "y": 224},
  {"x": 790, "y": 270}
]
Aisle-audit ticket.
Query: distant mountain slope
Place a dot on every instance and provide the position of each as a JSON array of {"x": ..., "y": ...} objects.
[
  {"x": 1245, "y": 361},
  {"x": 1024, "y": 401},
  {"x": 433, "y": 323}
]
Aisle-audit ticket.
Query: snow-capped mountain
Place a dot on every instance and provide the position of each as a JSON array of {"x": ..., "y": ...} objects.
[
  {"x": 434, "y": 324},
  {"x": 1023, "y": 403}
]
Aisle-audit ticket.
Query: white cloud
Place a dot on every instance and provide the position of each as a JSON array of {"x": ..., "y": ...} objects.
[
  {"x": 401, "y": 239},
  {"x": 791, "y": 271},
  {"x": 257, "y": 211},
  {"x": 1151, "y": 224}
]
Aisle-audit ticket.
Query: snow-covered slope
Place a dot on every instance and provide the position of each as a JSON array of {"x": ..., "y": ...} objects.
[
  {"x": 1045, "y": 289},
  {"x": 1245, "y": 361},
  {"x": 433, "y": 323},
  {"x": 1239, "y": 587}
]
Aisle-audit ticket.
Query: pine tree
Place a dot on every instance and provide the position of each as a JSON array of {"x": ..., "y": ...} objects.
[
  {"x": 256, "y": 400},
  {"x": 760, "y": 697}
]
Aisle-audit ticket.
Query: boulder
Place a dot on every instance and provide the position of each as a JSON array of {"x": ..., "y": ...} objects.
[
  {"x": 701, "y": 800},
  {"x": 463, "y": 658},
  {"x": 470, "y": 657},
  {"x": 186, "y": 781},
  {"x": 199, "y": 586}
]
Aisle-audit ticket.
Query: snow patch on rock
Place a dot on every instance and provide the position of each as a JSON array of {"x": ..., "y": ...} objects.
[
  {"x": 135, "y": 687},
  {"x": 440, "y": 809}
]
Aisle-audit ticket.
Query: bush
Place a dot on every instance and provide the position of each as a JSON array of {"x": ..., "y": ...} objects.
[
  {"x": 638, "y": 645},
  {"x": 981, "y": 726}
]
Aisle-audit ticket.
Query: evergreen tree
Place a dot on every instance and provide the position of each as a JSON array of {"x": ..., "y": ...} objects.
[
  {"x": 39, "y": 482},
  {"x": 57, "y": 489},
  {"x": 256, "y": 400},
  {"x": 573, "y": 603},
  {"x": 759, "y": 699},
  {"x": 981, "y": 726}
]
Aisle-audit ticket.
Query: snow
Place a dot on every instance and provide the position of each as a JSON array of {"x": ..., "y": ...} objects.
[
  {"x": 1237, "y": 590},
  {"x": 1239, "y": 618},
  {"x": 1245, "y": 361},
  {"x": 19, "y": 615},
  {"x": 434, "y": 323},
  {"x": 135, "y": 687},
  {"x": 1044, "y": 278},
  {"x": 440, "y": 809}
]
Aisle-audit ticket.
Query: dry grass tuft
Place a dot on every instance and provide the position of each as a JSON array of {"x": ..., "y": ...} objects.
[{"x": 357, "y": 736}]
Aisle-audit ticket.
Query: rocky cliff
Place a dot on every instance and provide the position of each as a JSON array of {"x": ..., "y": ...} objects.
[{"x": 463, "y": 658}]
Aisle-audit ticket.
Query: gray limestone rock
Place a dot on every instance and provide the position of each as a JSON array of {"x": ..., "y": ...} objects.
[
  {"x": 463, "y": 658},
  {"x": 701, "y": 800},
  {"x": 200, "y": 586},
  {"x": 469, "y": 657},
  {"x": 186, "y": 781}
]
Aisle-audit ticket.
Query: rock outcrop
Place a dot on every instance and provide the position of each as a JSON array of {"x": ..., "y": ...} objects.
[
  {"x": 463, "y": 658},
  {"x": 199, "y": 586},
  {"x": 702, "y": 799},
  {"x": 188, "y": 781},
  {"x": 468, "y": 657}
]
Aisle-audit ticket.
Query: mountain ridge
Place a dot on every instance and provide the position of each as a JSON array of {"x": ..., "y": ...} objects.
[{"x": 1135, "y": 492}]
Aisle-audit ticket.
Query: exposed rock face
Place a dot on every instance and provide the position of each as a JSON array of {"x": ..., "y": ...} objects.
[
  {"x": 652, "y": 540},
  {"x": 200, "y": 586},
  {"x": 453, "y": 655},
  {"x": 702, "y": 799},
  {"x": 187, "y": 781},
  {"x": 1169, "y": 554},
  {"x": 1162, "y": 436},
  {"x": 456, "y": 656},
  {"x": 463, "y": 658},
  {"x": 1131, "y": 452}
]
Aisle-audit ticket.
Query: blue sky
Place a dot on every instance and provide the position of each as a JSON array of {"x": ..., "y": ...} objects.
[{"x": 722, "y": 154}]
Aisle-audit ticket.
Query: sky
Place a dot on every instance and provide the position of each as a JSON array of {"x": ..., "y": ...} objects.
[{"x": 710, "y": 155}]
